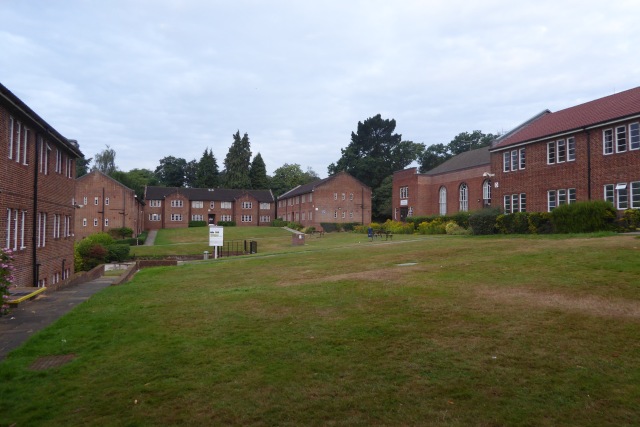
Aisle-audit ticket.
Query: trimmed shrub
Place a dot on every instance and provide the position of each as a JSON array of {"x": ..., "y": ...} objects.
[
  {"x": 484, "y": 221},
  {"x": 278, "y": 223},
  {"x": 584, "y": 217},
  {"x": 197, "y": 223},
  {"x": 121, "y": 233},
  {"x": 540, "y": 223},
  {"x": 461, "y": 218},
  {"x": 515, "y": 223},
  {"x": 452, "y": 228},
  {"x": 630, "y": 220},
  {"x": 308, "y": 230},
  {"x": 397, "y": 227},
  {"x": 117, "y": 252},
  {"x": 435, "y": 226},
  {"x": 329, "y": 227},
  {"x": 227, "y": 223},
  {"x": 350, "y": 226}
]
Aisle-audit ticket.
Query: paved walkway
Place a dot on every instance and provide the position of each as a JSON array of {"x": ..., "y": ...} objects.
[
  {"x": 151, "y": 238},
  {"x": 31, "y": 316}
]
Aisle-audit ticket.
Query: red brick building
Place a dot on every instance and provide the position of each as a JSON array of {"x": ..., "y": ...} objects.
[
  {"x": 172, "y": 207},
  {"x": 37, "y": 189},
  {"x": 462, "y": 183},
  {"x": 339, "y": 198},
  {"x": 587, "y": 152},
  {"x": 105, "y": 204}
]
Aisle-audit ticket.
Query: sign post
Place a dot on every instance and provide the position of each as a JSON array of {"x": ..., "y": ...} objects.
[{"x": 216, "y": 238}]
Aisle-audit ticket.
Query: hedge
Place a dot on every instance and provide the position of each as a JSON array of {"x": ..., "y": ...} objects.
[
  {"x": 584, "y": 217},
  {"x": 197, "y": 223}
]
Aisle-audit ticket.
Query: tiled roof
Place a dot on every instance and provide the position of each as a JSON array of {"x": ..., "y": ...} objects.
[
  {"x": 205, "y": 194},
  {"x": 310, "y": 187},
  {"x": 609, "y": 108},
  {"x": 466, "y": 160}
]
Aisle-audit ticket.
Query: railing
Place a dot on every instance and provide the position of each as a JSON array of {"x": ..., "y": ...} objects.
[{"x": 238, "y": 247}]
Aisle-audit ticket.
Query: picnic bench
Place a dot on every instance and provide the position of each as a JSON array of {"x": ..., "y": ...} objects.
[
  {"x": 382, "y": 233},
  {"x": 317, "y": 233}
]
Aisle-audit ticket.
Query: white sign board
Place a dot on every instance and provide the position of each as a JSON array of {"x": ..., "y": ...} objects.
[{"x": 216, "y": 235}]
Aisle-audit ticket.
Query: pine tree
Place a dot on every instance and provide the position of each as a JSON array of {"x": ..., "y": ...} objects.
[
  {"x": 207, "y": 175},
  {"x": 238, "y": 162},
  {"x": 258, "y": 174}
]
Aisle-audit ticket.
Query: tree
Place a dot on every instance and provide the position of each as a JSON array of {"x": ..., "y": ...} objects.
[
  {"x": 289, "y": 176},
  {"x": 258, "y": 174},
  {"x": 82, "y": 166},
  {"x": 171, "y": 172},
  {"x": 190, "y": 174},
  {"x": 375, "y": 152},
  {"x": 437, "y": 154},
  {"x": 381, "y": 198},
  {"x": 105, "y": 161},
  {"x": 207, "y": 175},
  {"x": 238, "y": 162},
  {"x": 136, "y": 179}
]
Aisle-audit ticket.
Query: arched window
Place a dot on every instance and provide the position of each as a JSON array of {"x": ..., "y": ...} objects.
[
  {"x": 486, "y": 193},
  {"x": 464, "y": 198},
  {"x": 443, "y": 201}
]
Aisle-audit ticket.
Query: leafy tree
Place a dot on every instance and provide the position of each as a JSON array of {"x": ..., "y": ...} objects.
[
  {"x": 82, "y": 166},
  {"x": 258, "y": 173},
  {"x": 105, "y": 161},
  {"x": 171, "y": 172},
  {"x": 136, "y": 179},
  {"x": 238, "y": 162},
  {"x": 190, "y": 174},
  {"x": 289, "y": 176},
  {"x": 207, "y": 175},
  {"x": 375, "y": 152},
  {"x": 437, "y": 154},
  {"x": 381, "y": 199}
]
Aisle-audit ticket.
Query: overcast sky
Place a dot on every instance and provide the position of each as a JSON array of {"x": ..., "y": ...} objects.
[{"x": 156, "y": 78}]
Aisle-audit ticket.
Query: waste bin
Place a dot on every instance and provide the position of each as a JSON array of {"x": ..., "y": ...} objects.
[
  {"x": 206, "y": 254},
  {"x": 297, "y": 239}
]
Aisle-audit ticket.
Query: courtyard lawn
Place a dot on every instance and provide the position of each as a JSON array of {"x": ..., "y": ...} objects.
[{"x": 451, "y": 331}]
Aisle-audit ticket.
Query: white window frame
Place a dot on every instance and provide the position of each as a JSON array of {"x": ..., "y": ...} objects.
[
  {"x": 84, "y": 222},
  {"x": 25, "y": 148},
  {"x": 246, "y": 218},
  {"x": 522, "y": 159},
  {"x": 609, "y": 193},
  {"x": 177, "y": 203},
  {"x": 523, "y": 202},
  {"x": 514, "y": 160},
  {"x": 267, "y": 206},
  {"x": 607, "y": 142},
  {"x": 561, "y": 151},
  {"x": 197, "y": 204},
  {"x": 212, "y": 205},
  {"x": 404, "y": 193},
  {"x": 10, "y": 155},
  {"x": 507, "y": 204},
  {"x": 155, "y": 203},
  {"x": 106, "y": 201},
  {"x": 106, "y": 222},
  {"x": 95, "y": 201},
  {"x": 506, "y": 162},
  {"x": 225, "y": 205},
  {"x": 634, "y": 136},
  {"x": 552, "y": 200},
  {"x": 247, "y": 205},
  {"x": 95, "y": 222},
  {"x": 176, "y": 217},
  {"x": 464, "y": 197},
  {"x": 622, "y": 196},
  {"x": 442, "y": 200},
  {"x": 551, "y": 153},
  {"x": 621, "y": 139},
  {"x": 634, "y": 195},
  {"x": 486, "y": 192},
  {"x": 571, "y": 149}
]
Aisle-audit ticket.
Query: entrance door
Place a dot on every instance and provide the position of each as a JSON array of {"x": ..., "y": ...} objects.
[
  {"x": 403, "y": 214},
  {"x": 212, "y": 219}
]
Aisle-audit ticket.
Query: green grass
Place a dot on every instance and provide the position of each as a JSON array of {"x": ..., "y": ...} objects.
[{"x": 480, "y": 331}]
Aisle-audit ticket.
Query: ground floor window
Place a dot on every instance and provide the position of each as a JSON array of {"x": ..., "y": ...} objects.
[
  {"x": 197, "y": 217},
  {"x": 154, "y": 217},
  {"x": 225, "y": 218},
  {"x": 267, "y": 218},
  {"x": 247, "y": 218},
  {"x": 176, "y": 217},
  {"x": 515, "y": 203},
  {"x": 559, "y": 197},
  {"x": 442, "y": 200},
  {"x": 464, "y": 197}
]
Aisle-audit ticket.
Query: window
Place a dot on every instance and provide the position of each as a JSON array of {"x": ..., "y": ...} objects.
[
  {"x": 95, "y": 222},
  {"x": 267, "y": 218},
  {"x": 344, "y": 196},
  {"x": 622, "y": 195},
  {"x": 551, "y": 152},
  {"x": 10, "y": 138},
  {"x": 464, "y": 197},
  {"x": 67, "y": 226},
  {"x": 56, "y": 226},
  {"x": 197, "y": 217},
  {"x": 176, "y": 217},
  {"x": 247, "y": 205},
  {"x": 267, "y": 206},
  {"x": 634, "y": 136},
  {"x": 25, "y": 157},
  {"x": 514, "y": 160},
  {"x": 44, "y": 157},
  {"x": 106, "y": 200},
  {"x": 522, "y": 158},
  {"x": 607, "y": 141},
  {"x": 177, "y": 203},
  {"x": 571, "y": 194},
  {"x": 507, "y": 204},
  {"x": 58, "y": 168},
  {"x": 84, "y": 222},
  {"x": 311, "y": 197},
  {"x": 69, "y": 167},
  {"x": 246, "y": 218},
  {"x": 635, "y": 195},
  {"x": 351, "y": 214},
  {"x": 551, "y": 200},
  {"x": 84, "y": 200},
  {"x": 523, "y": 202},
  {"x": 17, "y": 148},
  {"x": 335, "y": 196},
  {"x": 225, "y": 218},
  {"x": 562, "y": 151},
  {"x": 608, "y": 193},
  {"x": 335, "y": 214},
  {"x": 15, "y": 229},
  {"x": 562, "y": 197},
  {"x": 621, "y": 139},
  {"x": 442, "y": 200},
  {"x": 350, "y": 196},
  {"x": 95, "y": 200},
  {"x": 212, "y": 205},
  {"x": 304, "y": 198},
  {"x": 297, "y": 200},
  {"x": 154, "y": 217},
  {"x": 344, "y": 214},
  {"x": 225, "y": 205},
  {"x": 155, "y": 203},
  {"x": 106, "y": 222},
  {"x": 571, "y": 149},
  {"x": 404, "y": 192},
  {"x": 486, "y": 193},
  {"x": 197, "y": 204},
  {"x": 41, "y": 235},
  {"x": 506, "y": 162}
]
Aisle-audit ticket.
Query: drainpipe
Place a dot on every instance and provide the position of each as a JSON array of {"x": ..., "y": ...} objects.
[
  {"x": 588, "y": 164},
  {"x": 34, "y": 249}
]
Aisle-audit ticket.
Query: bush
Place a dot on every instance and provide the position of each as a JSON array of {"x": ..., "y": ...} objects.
[
  {"x": 329, "y": 227},
  {"x": 434, "y": 226},
  {"x": 515, "y": 223},
  {"x": 121, "y": 233},
  {"x": 308, "y": 230},
  {"x": 461, "y": 218},
  {"x": 630, "y": 220},
  {"x": 92, "y": 251},
  {"x": 198, "y": 223},
  {"x": 295, "y": 226},
  {"x": 484, "y": 221},
  {"x": 117, "y": 252},
  {"x": 350, "y": 226},
  {"x": 227, "y": 223},
  {"x": 452, "y": 228},
  {"x": 397, "y": 227},
  {"x": 540, "y": 223},
  {"x": 278, "y": 223},
  {"x": 584, "y": 217}
]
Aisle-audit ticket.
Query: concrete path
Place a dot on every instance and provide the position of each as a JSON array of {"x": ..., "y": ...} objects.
[
  {"x": 151, "y": 238},
  {"x": 31, "y": 316}
]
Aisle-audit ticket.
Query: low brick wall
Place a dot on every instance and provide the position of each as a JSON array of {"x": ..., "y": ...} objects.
[{"x": 78, "y": 278}]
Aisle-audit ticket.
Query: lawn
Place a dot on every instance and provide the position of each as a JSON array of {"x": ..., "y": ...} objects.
[{"x": 449, "y": 331}]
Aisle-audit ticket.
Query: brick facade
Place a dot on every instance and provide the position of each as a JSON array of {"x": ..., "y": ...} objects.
[
  {"x": 337, "y": 199},
  {"x": 175, "y": 207},
  {"x": 37, "y": 189},
  {"x": 104, "y": 204}
]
